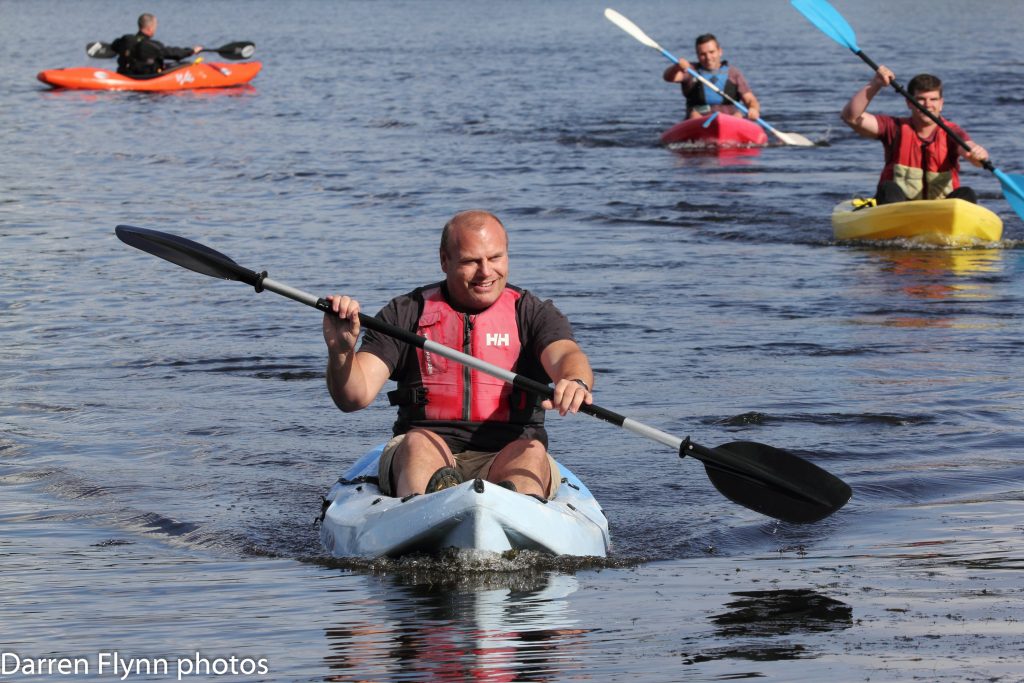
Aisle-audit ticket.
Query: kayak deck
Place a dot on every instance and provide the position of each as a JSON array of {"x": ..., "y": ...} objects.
[
  {"x": 191, "y": 76},
  {"x": 477, "y": 515},
  {"x": 715, "y": 130},
  {"x": 942, "y": 222}
]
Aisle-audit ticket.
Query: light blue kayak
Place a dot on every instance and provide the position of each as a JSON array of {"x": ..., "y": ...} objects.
[{"x": 477, "y": 515}]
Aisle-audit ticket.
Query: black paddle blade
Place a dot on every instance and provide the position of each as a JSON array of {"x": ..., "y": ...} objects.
[
  {"x": 99, "y": 50},
  {"x": 186, "y": 253},
  {"x": 241, "y": 50},
  {"x": 775, "y": 483}
]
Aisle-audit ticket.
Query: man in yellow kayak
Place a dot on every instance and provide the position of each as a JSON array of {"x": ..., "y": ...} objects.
[
  {"x": 454, "y": 423},
  {"x": 700, "y": 100},
  {"x": 140, "y": 55},
  {"x": 921, "y": 160}
]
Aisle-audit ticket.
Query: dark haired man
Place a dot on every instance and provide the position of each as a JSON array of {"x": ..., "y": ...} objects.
[
  {"x": 701, "y": 100},
  {"x": 921, "y": 160}
]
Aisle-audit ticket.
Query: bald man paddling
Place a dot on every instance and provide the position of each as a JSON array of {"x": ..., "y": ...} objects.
[{"x": 454, "y": 423}]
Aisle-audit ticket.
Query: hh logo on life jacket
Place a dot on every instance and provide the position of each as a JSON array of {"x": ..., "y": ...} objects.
[{"x": 495, "y": 339}]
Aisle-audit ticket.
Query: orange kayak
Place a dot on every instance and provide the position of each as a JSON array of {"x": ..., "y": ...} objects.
[
  {"x": 198, "y": 74},
  {"x": 716, "y": 130}
]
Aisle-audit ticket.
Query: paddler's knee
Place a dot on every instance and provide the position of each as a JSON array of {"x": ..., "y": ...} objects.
[
  {"x": 409, "y": 459},
  {"x": 528, "y": 466}
]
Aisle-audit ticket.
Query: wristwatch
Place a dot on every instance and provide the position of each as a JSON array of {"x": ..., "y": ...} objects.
[{"x": 582, "y": 384}]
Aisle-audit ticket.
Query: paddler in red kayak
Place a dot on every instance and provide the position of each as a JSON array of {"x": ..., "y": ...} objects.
[
  {"x": 454, "y": 423},
  {"x": 139, "y": 55},
  {"x": 701, "y": 101},
  {"x": 921, "y": 160}
]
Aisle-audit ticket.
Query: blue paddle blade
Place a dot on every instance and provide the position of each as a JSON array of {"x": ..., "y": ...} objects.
[
  {"x": 828, "y": 20},
  {"x": 1013, "y": 190}
]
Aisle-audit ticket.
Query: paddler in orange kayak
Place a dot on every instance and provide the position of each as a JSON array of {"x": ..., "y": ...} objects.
[{"x": 139, "y": 55}]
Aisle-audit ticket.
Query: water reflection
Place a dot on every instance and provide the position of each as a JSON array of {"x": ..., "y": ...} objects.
[
  {"x": 930, "y": 276},
  {"x": 116, "y": 95},
  {"x": 690, "y": 155},
  {"x": 937, "y": 262},
  {"x": 500, "y": 627},
  {"x": 765, "y": 623},
  {"x": 782, "y": 612}
]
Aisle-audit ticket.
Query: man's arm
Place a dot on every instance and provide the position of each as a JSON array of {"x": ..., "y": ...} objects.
[
  {"x": 745, "y": 94},
  {"x": 353, "y": 378},
  {"x": 677, "y": 72},
  {"x": 753, "y": 106},
  {"x": 177, "y": 53},
  {"x": 565, "y": 363},
  {"x": 977, "y": 154},
  {"x": 855, "y": 113}
]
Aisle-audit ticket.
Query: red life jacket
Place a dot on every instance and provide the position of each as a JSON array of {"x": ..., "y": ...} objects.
[
  {"x": 924, "y": 169},
  {"x": 457, "y": 392}
]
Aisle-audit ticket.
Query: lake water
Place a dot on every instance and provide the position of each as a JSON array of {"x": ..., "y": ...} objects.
[{"x": 165, "y": 438}]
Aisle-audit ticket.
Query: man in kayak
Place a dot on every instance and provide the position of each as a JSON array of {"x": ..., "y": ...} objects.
[
  {"x": 701, "y": 100},
  {"x": 921, "y": 160},
  {"x": 453, "y": 423},
  {"x": 140, "y": 55}
]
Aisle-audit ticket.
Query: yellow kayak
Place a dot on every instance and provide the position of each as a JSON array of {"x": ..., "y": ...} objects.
[{"x": 944, "y": 222}]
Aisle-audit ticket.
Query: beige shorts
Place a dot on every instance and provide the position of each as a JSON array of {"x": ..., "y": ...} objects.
[{"x": 470, "y": 464}]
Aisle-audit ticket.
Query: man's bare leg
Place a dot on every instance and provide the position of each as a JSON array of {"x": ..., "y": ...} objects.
[
  {"x": 524, "y": 463},
  {"x": 420, "y": 454}
]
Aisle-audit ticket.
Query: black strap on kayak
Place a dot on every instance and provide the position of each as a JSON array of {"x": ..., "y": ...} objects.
[
  {"x": 362, "y": 479},
  {"x": 324, "y": 504}
]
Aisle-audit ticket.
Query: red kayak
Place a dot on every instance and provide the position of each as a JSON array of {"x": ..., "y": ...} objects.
[
  {"x": 191, "y": 76},
  {"x": 715, "y": 131}
]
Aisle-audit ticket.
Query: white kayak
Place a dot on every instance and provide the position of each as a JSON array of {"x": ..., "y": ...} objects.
[{"x": 359, "y": 521}]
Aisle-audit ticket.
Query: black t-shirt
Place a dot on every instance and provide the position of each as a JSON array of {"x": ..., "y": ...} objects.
[{"x": 540, "y": 324}]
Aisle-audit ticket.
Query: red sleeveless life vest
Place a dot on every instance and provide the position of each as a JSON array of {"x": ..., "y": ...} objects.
[
  {"x": 457, "y": 392},
  {"x": 924, "y": 169}
]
